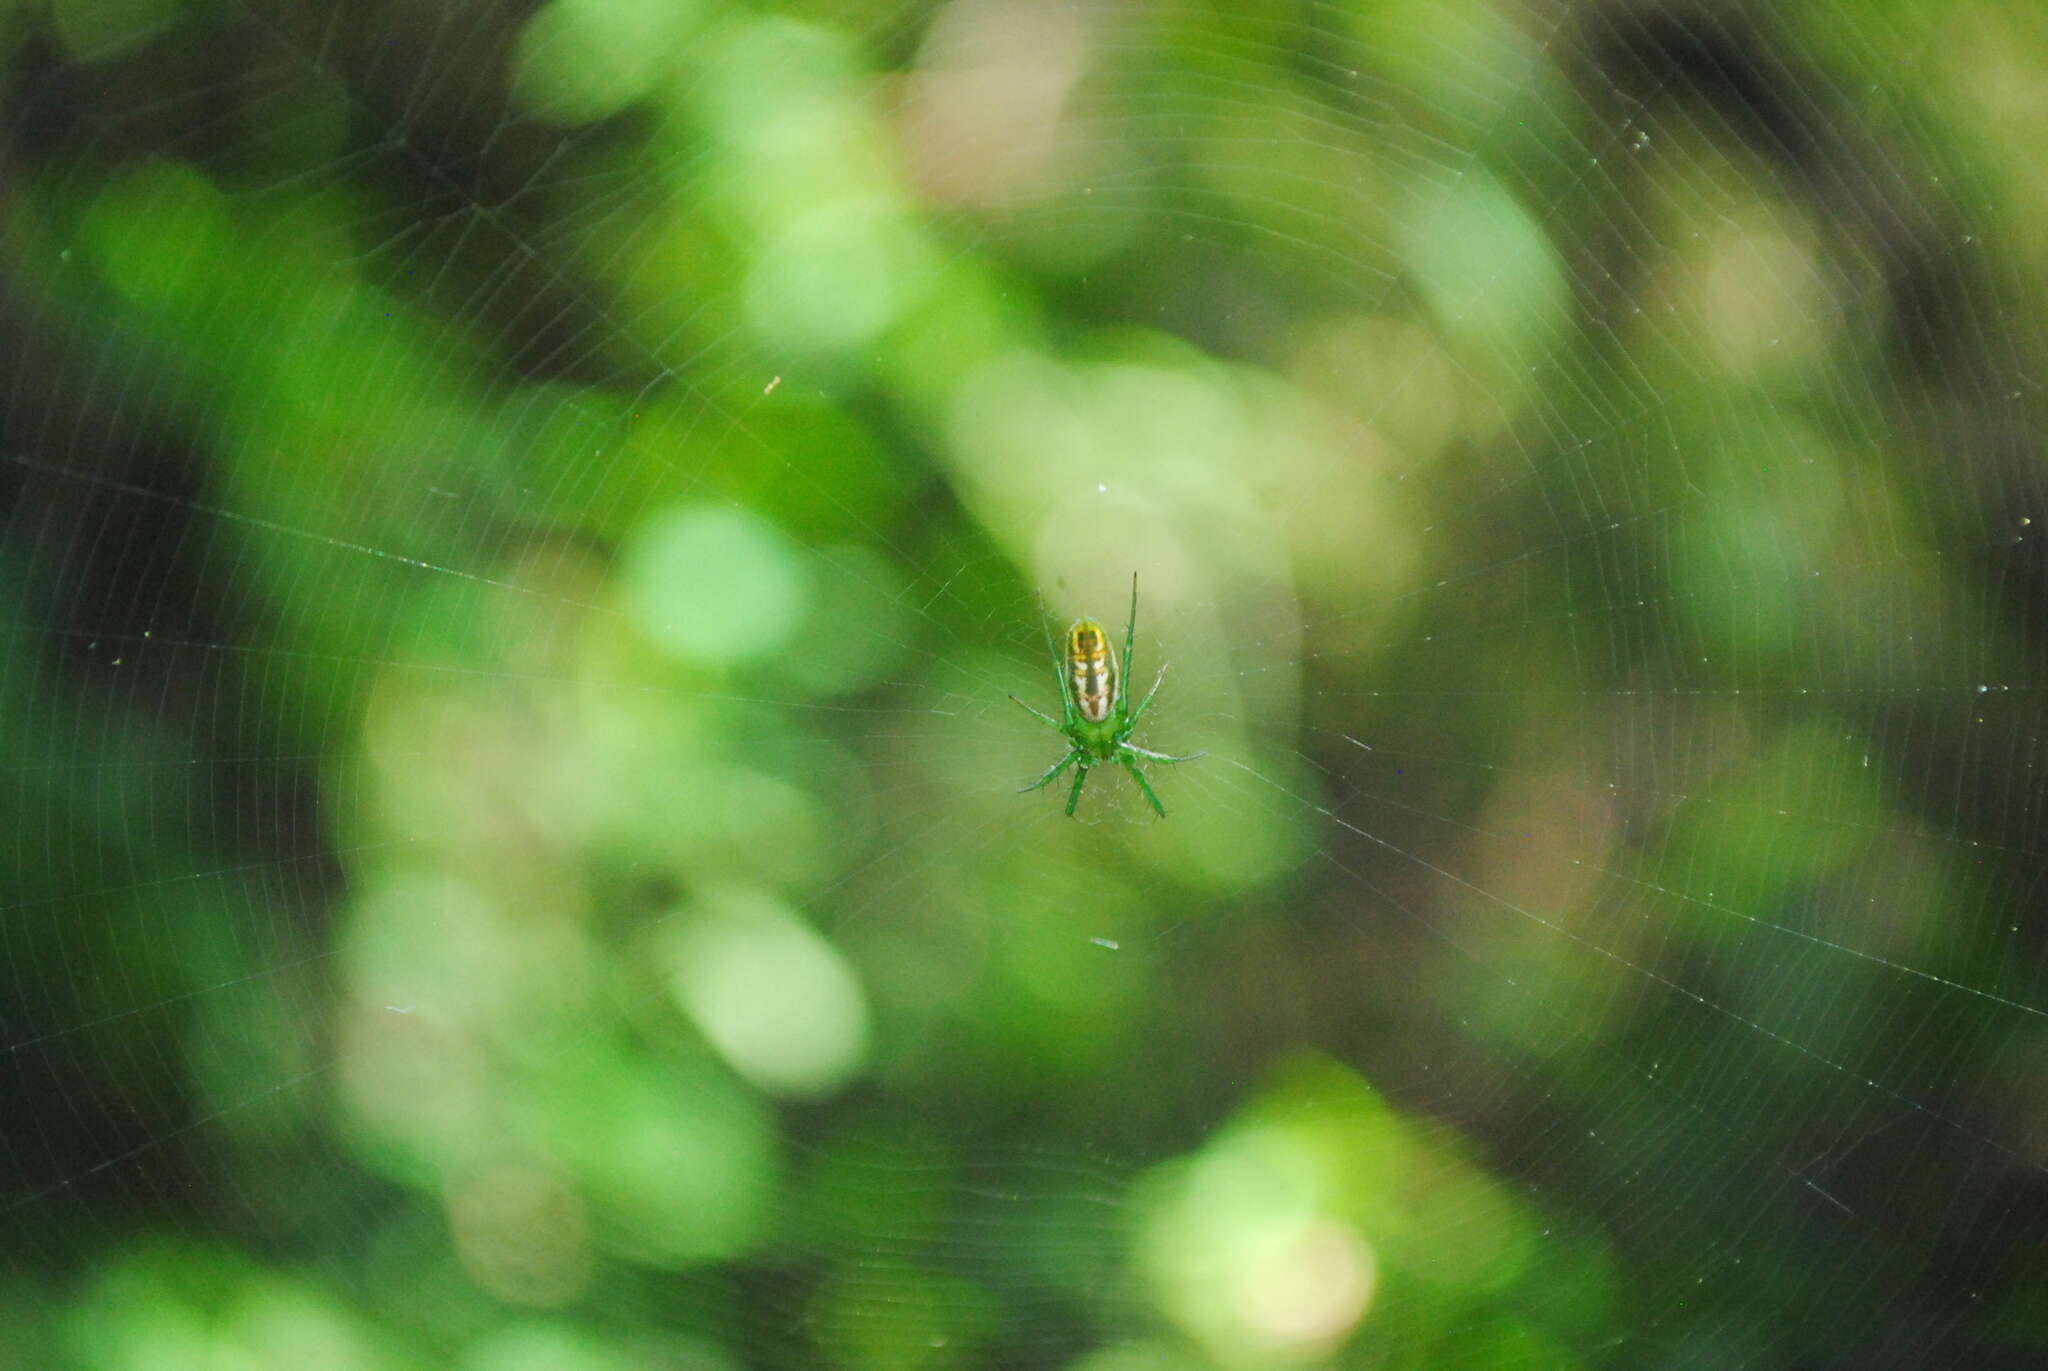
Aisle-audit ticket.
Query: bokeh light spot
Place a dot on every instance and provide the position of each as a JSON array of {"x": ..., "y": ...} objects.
[
  {"x": 713, "y": 585},
  {"x": 776, "y": 999},
  {"x": 584, "y": 60}
]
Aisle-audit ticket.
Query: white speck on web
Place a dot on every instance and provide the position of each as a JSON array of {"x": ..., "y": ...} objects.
[
  {"x": 773, "y": 382},
  {"x": 1109, "y": 943}
]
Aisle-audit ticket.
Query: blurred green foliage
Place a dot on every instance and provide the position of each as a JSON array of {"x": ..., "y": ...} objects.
[{"x": 524, "y": 519}]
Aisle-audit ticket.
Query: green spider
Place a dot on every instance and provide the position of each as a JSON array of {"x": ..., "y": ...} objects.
[{"x": 1098, "y": 718}]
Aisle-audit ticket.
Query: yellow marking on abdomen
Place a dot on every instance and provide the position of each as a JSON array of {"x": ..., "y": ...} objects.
[{"x": 1091, "y": 670}]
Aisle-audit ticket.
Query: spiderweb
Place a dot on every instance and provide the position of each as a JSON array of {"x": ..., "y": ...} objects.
[{"x": 524, "y": 519}]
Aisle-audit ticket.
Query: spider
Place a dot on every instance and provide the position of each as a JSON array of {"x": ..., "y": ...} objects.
[{"x": 1097, "y": 719}]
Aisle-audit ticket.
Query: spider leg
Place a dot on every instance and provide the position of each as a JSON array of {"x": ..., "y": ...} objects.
[
  {"x": 1074, "y": 795},
  {"x": 1147, "y": 701},
  {"x": 1139, "y": 777},
  {"x": 1040, "y": 713},
  {"x": 1059, "y": 674},
  {"x": 1052, "y": 773},
  {"x": 1149, "y": 755},
  {"x": 1131, "y": 631}
]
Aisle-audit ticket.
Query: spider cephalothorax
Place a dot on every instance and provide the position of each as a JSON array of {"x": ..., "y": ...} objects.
[{"x": 1097, "y": 718}]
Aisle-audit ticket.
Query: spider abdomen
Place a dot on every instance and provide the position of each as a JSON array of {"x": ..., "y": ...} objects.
[{"x": 1091, "y": 670}]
